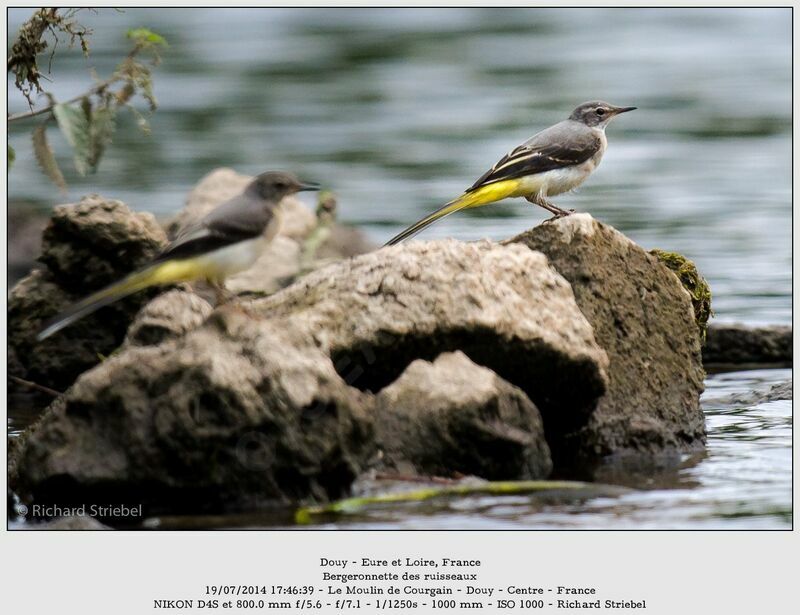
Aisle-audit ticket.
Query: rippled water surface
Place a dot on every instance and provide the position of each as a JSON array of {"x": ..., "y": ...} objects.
[{"x": 398, "y": 111}]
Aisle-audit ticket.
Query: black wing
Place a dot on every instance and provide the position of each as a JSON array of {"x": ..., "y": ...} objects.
[
  {"x": 239, "y": 219},
  {"x": 555, "y": 148}
]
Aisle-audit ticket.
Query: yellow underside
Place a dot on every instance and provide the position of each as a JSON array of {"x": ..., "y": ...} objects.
[
  {"x": 490, "y": 193},
  {"x": 179, "y": 271},
  {"x": 170, "y": 272}
]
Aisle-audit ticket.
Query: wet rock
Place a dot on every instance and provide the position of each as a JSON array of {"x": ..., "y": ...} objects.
[
  {"x": 777, "y": 392},
  {"x": 236, "y": 413},
  {"x": 643, "y": 318},
  {"x": 503, "y": 306},
  {"x": 454, "y": 417},
  {"x": 168, "y": 316},
  {"x": 740, "y": 344},
  {"x": 80, "y": 257}
]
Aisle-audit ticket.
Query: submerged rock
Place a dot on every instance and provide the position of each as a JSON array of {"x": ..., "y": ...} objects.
[
  {"x": 740, "y": 344},
  {"x": 454, "y": 417},
  {"x": 781, "y": 391},
  {"x": 644, "y": 319}
]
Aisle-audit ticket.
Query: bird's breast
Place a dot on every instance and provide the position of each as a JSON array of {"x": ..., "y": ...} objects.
[
  {"x": 234, "y": 258},
  {"x": 556, "y": 181}
]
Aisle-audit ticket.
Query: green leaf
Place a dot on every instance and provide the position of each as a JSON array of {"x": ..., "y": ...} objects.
[
  {"x": 12, "y": 156},
  {"x": 76, "y": 128},
  {"x": 101, "y": 129},
  {"x": 45, "y": 158},
  {"x": 145, "y": 36}
]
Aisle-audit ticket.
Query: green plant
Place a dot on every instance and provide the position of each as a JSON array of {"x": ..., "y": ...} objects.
[
  {"x": 695, "y": 285},
  {"x": 87, "y": 121}
]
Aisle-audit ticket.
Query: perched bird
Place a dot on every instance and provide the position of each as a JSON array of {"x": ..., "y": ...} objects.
[
  {"x": 226, "y": 241},
  {"x": 553, "y": 161}
]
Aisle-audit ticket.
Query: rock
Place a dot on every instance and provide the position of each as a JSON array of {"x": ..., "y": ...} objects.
[
  {"x": 256, "y": 406},
  {"x": 94, "y": 243},
  {"x": 70, "y": 523},
  {"x": 236, "y": 413},
  {"x": 98, "y": 241},
  {"x": 454, "y": 417},
  {"x": 695, "y": 284},
  {"x": 80, "y": 254},
  {"x": 278, "y": 266},
  {"x": 738, "y": 344},
  {"x": 643, "y": 318},
  {"x": 503, "y": 306},
  {"x": 26, "y": 222},
  {"x": 168, "y": 316},
  {"x": 344, "y": 242},
  {"x": 781, "y": 391}
]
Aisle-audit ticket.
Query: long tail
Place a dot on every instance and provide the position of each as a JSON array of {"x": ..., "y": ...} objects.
[
  {"x": 482, "y": 196},
  {"x": 139, "y": 280}
]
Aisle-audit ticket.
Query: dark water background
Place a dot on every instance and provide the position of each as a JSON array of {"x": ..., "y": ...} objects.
[{"x": 398, "y": 110}]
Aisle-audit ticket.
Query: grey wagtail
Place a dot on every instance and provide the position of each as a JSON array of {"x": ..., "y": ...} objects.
[
  {"x": 226, "y": 241},
  {"x": 556, "y": 160}
]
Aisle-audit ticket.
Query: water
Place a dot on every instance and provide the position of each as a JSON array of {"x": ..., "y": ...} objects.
[{"x": 399, "y": 110}]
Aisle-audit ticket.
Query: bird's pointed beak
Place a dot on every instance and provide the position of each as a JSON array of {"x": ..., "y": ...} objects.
[
  {"x": 308, "y": 186},
  {"x": 619, "y": 110}
]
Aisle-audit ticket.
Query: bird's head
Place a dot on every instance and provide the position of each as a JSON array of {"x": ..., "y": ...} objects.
[
  {"x": 274, "y": 185},
  {"x": 597, "y": 113}
]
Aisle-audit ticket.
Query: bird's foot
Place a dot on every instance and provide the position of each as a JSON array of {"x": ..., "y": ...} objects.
[
  {"x": 245, "y": 309},
  {"x": 221, "y": 294},
  {"x": 557, "y": 215},
  {"x": 553, "y": 209}
]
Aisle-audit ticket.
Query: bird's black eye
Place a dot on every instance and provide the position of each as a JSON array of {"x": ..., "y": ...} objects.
[{"x": 600, "y": 111}]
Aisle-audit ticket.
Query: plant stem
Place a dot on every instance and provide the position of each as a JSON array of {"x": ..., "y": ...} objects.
[
  {"x": 29, "y": 114},
  {"x": 34, "y": 385}
]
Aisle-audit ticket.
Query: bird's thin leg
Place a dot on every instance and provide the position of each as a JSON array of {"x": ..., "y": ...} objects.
[
  {"x": 221, "y": 294},
  {"x": 557, "y": 212}
]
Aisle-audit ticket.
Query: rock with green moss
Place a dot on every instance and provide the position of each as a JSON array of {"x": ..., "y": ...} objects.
[
  {"x": 693, "y": 282},
  {"x": 644, "y": 320}
]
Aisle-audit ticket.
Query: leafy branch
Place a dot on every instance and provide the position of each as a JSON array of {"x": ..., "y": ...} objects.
[{"x": 88, "y": 120}]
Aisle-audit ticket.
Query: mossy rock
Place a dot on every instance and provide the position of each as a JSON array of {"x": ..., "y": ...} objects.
[{"x": 693, "y": 282}]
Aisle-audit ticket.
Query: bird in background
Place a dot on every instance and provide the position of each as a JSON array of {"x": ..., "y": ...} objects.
[
  {"x": 226, "y": 241},
  {"x": 555, "y": 160}
]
